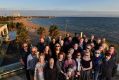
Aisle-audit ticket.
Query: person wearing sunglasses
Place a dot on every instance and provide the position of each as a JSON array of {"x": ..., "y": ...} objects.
[
  {"x": 78, "y": 65},
  {"x": 56, "y": 51},
  {"x": 97, "y": 61}
]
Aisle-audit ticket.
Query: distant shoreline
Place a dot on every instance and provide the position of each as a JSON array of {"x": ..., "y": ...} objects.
[{"x": 32, "y": 29}]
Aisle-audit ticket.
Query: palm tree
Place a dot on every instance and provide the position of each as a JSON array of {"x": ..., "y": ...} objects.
[
  {"x": 41, "y": 31},
  {"x": 53, "y": 31}
]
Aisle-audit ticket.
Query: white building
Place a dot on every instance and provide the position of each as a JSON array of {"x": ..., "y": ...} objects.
[
  {"x": 4, "y": 32},
  {"x": 16, "y": 14}
]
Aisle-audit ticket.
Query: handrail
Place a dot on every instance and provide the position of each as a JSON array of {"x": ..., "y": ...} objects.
[{"x": 8, "y": 69}]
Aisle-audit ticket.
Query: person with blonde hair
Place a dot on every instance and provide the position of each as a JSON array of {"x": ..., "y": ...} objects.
[{"x": 39, "y": 73}]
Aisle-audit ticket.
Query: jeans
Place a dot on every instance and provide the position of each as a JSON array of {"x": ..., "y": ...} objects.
[{"x": 96, "y": 75}]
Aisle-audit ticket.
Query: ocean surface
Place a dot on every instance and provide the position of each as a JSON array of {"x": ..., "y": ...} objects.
[{"x": 107, "y": 27}]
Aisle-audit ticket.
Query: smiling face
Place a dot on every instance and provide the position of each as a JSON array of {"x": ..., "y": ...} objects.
[
  {"x": 41, "y": 40},
  {"x": 61, "y": 56},
  {"x": 111, "y": 49},
  {"x": 76, "y": 46},
  {"x": 81, "y": 40},
  {"x": 69, "y": 56},
  {"x": 47, "y": 48},
  {"x": 97, "y": 53},
  {"x": 108, "y": 57},
  {"x": 61, "y": 42},
  {"x": 57, "y": 46},
  {"x": 41, "y": 58},
  {"x": 88, "y": 47},
  {"x": 34, "y": 50},
  {"x": 78, "y": 55},
  {"x": 25, "y": 46},
  {"x": 53, "y": 40},
  {"x": 51, "y": 62}
]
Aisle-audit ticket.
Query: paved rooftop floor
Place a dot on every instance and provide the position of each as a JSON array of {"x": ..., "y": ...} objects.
[{"x": 22, "y": 77}]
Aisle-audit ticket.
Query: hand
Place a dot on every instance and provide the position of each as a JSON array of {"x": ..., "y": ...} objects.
[
  {"x": 78, "y": 73},
  {"x": 21, "y": 61}
]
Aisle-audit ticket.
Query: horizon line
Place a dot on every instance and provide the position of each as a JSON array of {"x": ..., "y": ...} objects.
[{"x": 5, "y": 9}]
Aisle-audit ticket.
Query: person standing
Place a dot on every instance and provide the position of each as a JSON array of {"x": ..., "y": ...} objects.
[
  {"x": 78, "y": 66},
  {"x": 107, "y": 67},
  {"x": 39, "y": 73},
  {"x": 50, "y": 70},
  {"x": 69, "y": 67},
  {"x": 97, "y": 61},
  {"x": 86, "y": 65},
  {"x": 60, "y": 63},
  {"x": 31, "y": 62},
  {"x": 41, "y": 45},
  {"x": 24, "y": 52},
  {"x": 47, "y": 53}
]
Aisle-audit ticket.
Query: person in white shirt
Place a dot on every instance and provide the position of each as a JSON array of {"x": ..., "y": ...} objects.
[{"x": 39, "y": 73}]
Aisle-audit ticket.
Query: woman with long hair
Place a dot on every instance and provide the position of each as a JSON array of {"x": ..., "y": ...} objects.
[
  {"x": 86, "y": 66},
  {"x": 60, "y": 63},
  {"x": 47, "y": 53}
]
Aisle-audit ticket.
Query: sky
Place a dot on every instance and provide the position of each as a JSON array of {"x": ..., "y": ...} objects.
[
  {"x": 61, "y": 5},
  {"x": 76, "y": 5}
]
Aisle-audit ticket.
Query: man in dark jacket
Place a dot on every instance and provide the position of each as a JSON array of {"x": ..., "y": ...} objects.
[
  {"x": 41, "y": 45},
  {"x": 107, "y": 67}
]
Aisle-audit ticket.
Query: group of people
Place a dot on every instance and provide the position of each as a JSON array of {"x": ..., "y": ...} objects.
[{"x": 69, "y": 58}]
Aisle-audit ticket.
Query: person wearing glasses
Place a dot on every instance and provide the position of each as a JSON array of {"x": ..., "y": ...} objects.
[
  {"x": 56, "y": 51},
  {"x": 78, "y": 65},
  {"x": 31, "y": 62},
  {"x": 97, "y": 61}
]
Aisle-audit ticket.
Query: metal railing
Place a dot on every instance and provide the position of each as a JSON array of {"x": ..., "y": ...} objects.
[{"x": 8, "y": 69}]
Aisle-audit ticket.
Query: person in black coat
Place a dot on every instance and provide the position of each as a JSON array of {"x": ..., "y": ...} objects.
[
  {"x": 60, "y": 64},
  {"x": 50, "y": 70},
  {"x": 41, "y": 45},
  {"x": 113, "y": 57},
  {"x": 107, "y": 67},
  {"x": 24, "y": 52}
]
